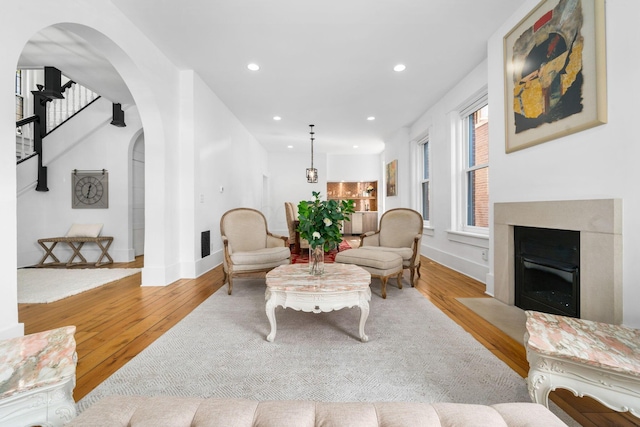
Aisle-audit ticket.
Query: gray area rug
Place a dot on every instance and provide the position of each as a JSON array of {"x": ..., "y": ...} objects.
[
  {"x": 508, "y": 318},
  {"x": 415, "y": 353}
]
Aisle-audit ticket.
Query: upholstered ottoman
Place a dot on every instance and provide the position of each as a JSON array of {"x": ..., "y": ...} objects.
[{"x": 379, "y": 264}]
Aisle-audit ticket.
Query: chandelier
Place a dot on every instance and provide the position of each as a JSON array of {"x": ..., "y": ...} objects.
[{"x": 312, "y": 173}]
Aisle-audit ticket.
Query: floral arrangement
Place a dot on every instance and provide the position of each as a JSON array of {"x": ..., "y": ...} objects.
[
  {"x": 320, "y": 221},
  {"x": 369, "y": 189}
]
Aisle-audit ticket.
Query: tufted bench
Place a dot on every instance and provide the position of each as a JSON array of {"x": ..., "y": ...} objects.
[
  {"x": 586, "y": 357},
  {"x": 134, "y": 411},
  {"x": 378, "y": 263}
]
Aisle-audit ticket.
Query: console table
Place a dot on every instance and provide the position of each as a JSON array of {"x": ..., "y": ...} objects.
[
  {"x": 588, "y": 358},
  {"x": 341, "y": 286}
]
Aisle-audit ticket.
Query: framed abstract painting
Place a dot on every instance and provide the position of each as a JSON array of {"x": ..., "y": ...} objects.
[
  {"x": 392, "y": 178},
  {"x": 555, "y": 72}
]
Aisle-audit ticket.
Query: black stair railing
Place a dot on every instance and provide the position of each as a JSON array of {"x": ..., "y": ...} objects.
[
  {"x": 25, "y": 148},
  {"x": 50, "y": 110}
]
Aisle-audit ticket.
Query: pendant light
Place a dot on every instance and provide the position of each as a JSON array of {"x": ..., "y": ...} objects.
[{"x": 312, "y": 173}]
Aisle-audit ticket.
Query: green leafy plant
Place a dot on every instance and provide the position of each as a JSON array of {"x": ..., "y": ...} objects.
[{"x": 320, "y": 221}]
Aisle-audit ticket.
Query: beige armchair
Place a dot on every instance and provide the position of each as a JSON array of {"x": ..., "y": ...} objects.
[
  {"x": 400, "y": 232},
  {"x": 248, "y": 245},
  {"x": 291, "y": 211}
]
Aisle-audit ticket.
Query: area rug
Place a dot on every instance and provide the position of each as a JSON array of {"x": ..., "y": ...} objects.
[
  {"x": 43, "y": 285},
  {"x": 303, "y": 256},
  {"x": 414, "y": 353},
  {"x": 508, "y": 318}
]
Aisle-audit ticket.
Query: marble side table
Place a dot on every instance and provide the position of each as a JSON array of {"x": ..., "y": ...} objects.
[
  {"x": 341, "y": 286},
  {"x": 37, "y": 377},
  {"x": 588, "y": 358}
]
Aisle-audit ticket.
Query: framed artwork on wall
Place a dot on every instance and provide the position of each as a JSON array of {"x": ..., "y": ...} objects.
[
  {"x": 555, "y": 72},
  {"x": 392, "y": 178}
]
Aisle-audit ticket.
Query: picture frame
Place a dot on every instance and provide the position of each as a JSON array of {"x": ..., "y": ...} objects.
[
  {"x": 555, "y": 72},
  {"x": 392, "y": 178}
]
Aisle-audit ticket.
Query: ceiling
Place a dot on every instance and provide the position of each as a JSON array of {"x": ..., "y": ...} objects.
[{"x": 328, "y": 63}]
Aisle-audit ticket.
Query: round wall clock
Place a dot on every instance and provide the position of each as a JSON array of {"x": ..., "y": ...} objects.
[{"x": 89, "y": 189}]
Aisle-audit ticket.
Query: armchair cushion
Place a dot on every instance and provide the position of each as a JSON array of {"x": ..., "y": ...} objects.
[
  {"x": 405, "y": 253},
  {"x": 265, "y": 256}
]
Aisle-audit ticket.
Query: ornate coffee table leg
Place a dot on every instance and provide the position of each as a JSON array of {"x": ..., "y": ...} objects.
[
  {"x": 271, "y": 314},
  {"x": 365, "y": 296}
]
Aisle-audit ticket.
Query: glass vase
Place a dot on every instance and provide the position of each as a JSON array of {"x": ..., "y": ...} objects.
[{"x": 316, "y": 261}]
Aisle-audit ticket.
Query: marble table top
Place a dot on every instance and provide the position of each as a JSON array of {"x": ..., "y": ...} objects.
[
  {"x": 336, "y": 277},
  {"x": 36, "y": 360},
  {"x": 612, "y": 347}
]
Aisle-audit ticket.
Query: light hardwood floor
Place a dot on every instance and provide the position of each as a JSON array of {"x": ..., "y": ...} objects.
[{"x": 117, "y": 321}]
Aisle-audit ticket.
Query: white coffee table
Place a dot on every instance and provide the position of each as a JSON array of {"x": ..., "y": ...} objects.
[{"x": 341, "y": 286}]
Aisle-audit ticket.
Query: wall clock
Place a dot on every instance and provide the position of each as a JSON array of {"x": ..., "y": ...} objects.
[{"x": 89, "y": 189}]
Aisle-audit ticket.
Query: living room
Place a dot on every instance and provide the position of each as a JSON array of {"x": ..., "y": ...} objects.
[{"x": 215, "y": 152}]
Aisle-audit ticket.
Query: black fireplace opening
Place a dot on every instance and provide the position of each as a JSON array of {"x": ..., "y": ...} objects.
[{"x": 547, "y": 270}]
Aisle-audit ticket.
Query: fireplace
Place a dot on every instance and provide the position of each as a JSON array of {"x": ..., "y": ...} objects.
[
  {"x": 599, "y": 224},
  {"x": 547, "y": 270}
]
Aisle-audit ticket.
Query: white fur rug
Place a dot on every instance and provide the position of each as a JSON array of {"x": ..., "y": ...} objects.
[{"x": 42, "y": 285}]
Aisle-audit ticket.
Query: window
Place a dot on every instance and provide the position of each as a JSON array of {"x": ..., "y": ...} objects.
[
  {"x": 474, "y": 177},
  {"x": 19, "y": 99},
  {"x": 425, "y": 181}
]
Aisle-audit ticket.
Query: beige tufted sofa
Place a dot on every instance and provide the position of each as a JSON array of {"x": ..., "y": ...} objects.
[{"x": 137, "y": 411}]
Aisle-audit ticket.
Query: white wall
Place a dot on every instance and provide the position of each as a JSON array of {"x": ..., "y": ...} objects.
[
  {"x": 229, "y": 168},
  {"x": 83, "y": 144},
  {"x": 397, "y": 147},
  {"x": 288, "y": 183},
  {"x": 596, "y": 163},
  {"x": 179, "y": 154},
  {"x": 354, "y": 168},
  {"x": 459, "y": 252}
]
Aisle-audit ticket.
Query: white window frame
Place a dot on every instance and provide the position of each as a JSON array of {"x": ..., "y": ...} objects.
[
  {"x": 19, "y": 98},
  {"x": 421, "y": 179},
  {"x": 461, "y": 144}
]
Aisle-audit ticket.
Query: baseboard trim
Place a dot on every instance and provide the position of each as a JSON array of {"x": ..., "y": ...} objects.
[{"x": 461, "y": 265}]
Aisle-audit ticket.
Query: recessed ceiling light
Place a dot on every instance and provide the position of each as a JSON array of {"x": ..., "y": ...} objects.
[
  {"x": 253, "y": 67},
  {"x": 355, "y": 146},
  {"x": 276, "y": 118},
  {"x": 399, "y": 67},
  {"x": 289, "y": 146},
  {"x": 371, "y": 118}
]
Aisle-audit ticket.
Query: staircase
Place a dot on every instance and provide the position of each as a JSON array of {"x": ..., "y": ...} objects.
[
  {"x": 76, "y": 98},
  {"x": 71, "y": 99}
]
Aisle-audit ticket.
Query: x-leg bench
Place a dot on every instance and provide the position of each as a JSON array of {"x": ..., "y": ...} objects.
[{"x": 76, "y": 244}]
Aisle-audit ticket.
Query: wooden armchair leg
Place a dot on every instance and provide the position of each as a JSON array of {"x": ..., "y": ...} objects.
[
  {"x": 413, "y": 275},
  {"x": 384, "y": 287},
  {"x": 230, "y": 284},
  {"x": 400, "y": 279}
]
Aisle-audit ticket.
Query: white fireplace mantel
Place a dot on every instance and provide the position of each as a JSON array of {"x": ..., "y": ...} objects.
[{"x": 599, "y": 222}]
